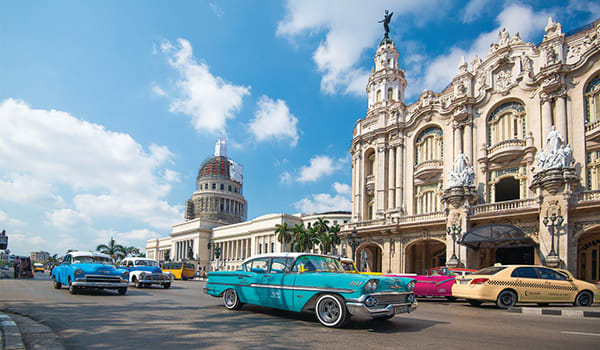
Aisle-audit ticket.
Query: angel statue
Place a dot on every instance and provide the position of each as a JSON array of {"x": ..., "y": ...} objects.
[{"x": 386, "y": 21}]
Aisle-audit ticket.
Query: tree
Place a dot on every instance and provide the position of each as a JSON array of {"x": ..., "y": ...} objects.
[
  {"x": 132, "y": 251},
  {"x": 321, "y": 234},
  {"x": 302, "y": 238},
  {"x": 52, "y": 259},
  {"x": 116, "y": 251},
  {"x": 283, "y": 232},
  {"x": 334, "y": 237}
]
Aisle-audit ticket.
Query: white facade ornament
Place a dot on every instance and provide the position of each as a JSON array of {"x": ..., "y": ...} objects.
[
  {"x": 476, "y": 62},
  {"x": 463, "y": 65},
  {"x": 553, "y": 29},
  {"x": 503, "y": 38},
  {"x": 503, "y": 80},
  {"x": 220, "y": 148},
  {"x": 516, "y": 39},
  {"x": 462, "y": 173},
  {"x": 557, "y": 154}
]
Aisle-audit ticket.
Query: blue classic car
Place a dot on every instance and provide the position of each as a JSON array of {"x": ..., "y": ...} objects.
[
  {"x": 144, "y": 272},
  {"x": 89, "y": 270},
  {"x": 312, "y": 282}
]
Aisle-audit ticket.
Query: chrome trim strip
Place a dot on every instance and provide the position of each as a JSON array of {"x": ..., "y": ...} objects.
[
  {"x": 100, "y": 284},
  {"x": 277, "y": 286}
]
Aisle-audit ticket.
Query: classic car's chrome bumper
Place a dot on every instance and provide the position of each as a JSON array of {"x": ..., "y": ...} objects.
[
  {"x": 100, "y": 281},
  {"x": 390, "y": 304},
  {"x": 156, "y": 279}
]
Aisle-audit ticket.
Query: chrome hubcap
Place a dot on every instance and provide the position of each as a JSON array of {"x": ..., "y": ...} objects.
[
  {"x": 329, "y": 311},
  {"x": 507, "y": 299},
  {"x": 230, "y": 298}
]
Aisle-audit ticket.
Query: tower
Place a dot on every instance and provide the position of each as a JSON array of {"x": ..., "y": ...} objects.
[{"x": 387, "y": 82}]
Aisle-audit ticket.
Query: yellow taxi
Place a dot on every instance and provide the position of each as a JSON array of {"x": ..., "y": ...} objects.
[{"x": 508, "y": 284}]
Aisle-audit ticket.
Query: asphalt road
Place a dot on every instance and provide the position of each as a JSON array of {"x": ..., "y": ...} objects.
[{"x": 184, "y": 317}]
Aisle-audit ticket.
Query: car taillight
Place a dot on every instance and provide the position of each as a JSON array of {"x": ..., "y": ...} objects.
[{"x": 479, "y": 280}]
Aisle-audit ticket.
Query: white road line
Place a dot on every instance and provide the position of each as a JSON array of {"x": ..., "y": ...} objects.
[{"x": 581, "y": 333}]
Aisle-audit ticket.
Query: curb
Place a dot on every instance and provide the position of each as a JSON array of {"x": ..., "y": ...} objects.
[
  {"x": 555, "y": 312},
  {"x": 10, "y": 335}
]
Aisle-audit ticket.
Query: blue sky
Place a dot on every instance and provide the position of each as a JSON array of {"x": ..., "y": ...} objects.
[{"x": 108, "y": 109}]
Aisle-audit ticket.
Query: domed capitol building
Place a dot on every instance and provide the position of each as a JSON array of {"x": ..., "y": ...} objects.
[{"x": 502, "y": 165}]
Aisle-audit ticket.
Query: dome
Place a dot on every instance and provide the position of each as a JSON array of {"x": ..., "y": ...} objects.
[{"x": 216, "y": 166}]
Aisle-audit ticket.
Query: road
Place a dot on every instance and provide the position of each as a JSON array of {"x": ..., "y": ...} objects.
[{"x": 184, "y": 317}]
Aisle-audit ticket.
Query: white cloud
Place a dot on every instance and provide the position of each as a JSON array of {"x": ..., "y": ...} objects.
[
  {"x": 104, "y": 169},
  {"x": 158, "y": 90},
  {"x": 286, "y": 178},
  {"x": 207, "y": 99},
  {"x": 319, "y": 166},
  {"x": 322, "y": 202},
  {"x": 216, "y": 10},
  {"x": 351, "y": 27},
  {"x": 474, "y": 10},
  {"x": 515, "y": 18},
  {"x": 68, "y": 219},
  {"x": 171, "y": 176},
  {"x": 7, "y": 223},
  {"x": 274, "y": 120},
  {"x": 25, "y": 189}
]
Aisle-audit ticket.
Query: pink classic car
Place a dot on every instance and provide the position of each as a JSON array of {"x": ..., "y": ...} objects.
[{"x": 439, "y": 281}]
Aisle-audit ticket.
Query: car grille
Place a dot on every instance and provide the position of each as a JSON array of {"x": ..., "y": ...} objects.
[
  {"x": 156, "y": 277},
  {"x": 100, "y": 278},
  {"x": 387, "y": 299}
]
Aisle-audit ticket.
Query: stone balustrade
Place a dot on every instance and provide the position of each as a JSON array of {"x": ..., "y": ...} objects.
[
  {"x": 506, "y": 205},
  {"x": 592, "y": 126}
]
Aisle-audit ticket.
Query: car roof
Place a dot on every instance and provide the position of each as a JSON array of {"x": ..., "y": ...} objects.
[
  {"x": 283, "y": 255},
  {"x": 137, "y": 258},
  {"x": 95, "y": 254}
]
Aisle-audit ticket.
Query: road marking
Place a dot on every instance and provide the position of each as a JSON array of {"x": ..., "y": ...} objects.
[{"x": 581, "y": 333}]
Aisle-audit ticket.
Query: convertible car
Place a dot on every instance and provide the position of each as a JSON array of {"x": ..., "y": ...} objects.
[
  {"x": 438, "y": 282},
  {"x": 81, "y": 270},
  {"x": 508, "y": 284},
  {"x": 312, "y": 282}
]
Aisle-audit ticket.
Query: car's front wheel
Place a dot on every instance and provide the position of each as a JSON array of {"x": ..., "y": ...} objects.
[
  {"x": 231, "y": 299},
  {"x": 166, "y": 285},
  {"x": 122, "y": 290},
  {"x": 450, "y": 298},
  {"x": 57, "y": 284},
  {"x": 72, "y": 288},
  {"x": 331, "y": 311},
  {"x": 584, "y": 298},
  {"x": 506, "y": 299}
]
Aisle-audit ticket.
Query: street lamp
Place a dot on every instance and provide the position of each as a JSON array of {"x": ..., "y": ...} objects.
[
  {"x": 217, "y": 255},
  {"x": 354, "y": 242},
  {"x": 455, "y": 232},
  {"x": 552, "y": 223}
]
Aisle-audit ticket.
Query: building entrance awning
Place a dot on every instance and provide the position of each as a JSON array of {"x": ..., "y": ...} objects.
[{"x": 496, "y": 236}]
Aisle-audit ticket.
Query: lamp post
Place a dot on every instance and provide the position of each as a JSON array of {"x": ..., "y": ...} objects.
[
  {"x": 354, "y": 242},
  {"x": 217, "y": 255},
  {"x": 456, "y": 235},
  {"x": 552, "y": 223}
]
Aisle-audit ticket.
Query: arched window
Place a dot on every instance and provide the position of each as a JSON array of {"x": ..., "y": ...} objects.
[
  {"x": 206, "y": 186},
  {"x": 427, "y": 198},
  {"x": 214, "y": 186},
  {"x": 592, "y": 100},
  {"x": 222, "y": 187},
  {"x": 429, "y": 145},
  {"x": 370, "y": 208},
  {"x": 390, "y": 94},
  {"x": 593, "y": 170},
  {"x": 378, "y": 96},
  {"x": 506, "y": 122}
]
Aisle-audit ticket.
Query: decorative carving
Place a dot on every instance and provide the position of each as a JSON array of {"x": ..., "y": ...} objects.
[
  {"x": 476, "y": 63},
  {"x": 460, "y": 89},
  {"x": 463, "y": 65},
  {"x": 553, "y": 29},
  {"x": 551, "y": 55},
  {"x": 557, "y": 155},
  {"x": 503, "y": 79}
]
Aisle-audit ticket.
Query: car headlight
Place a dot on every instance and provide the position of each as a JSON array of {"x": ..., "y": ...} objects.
[
  {"x": 78, "y": 272},
  {"x": 410, "y": 285},
  {"x": 371, "y": 285},
  {"x": 371, "y": 301},
  {"x": 126, "y": 273}
]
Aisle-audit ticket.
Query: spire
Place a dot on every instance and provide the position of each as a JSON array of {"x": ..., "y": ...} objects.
[{"x": 220, "y": 148}]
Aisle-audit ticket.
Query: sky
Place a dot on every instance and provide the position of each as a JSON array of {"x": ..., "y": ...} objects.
[{"x": 109, "y": 108}]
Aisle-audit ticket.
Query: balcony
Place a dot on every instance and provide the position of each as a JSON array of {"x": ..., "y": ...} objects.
[
  {"x": 426, "y": 217},
  {"x": 592, "y": 130},
  {"x": 506, "y": 150},
  {"x": 428, "y": 169},
  {"x": 370, "y": 184},
  {"x": 505, "y": 206}
]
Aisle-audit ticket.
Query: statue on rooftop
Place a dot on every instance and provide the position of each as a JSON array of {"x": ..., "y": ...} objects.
[{"x": 386, "y": 21}]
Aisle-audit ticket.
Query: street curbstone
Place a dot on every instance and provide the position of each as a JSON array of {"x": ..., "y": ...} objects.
[
  {"x": 10, "y": 334},
  {"x": 554, "y": 312}
]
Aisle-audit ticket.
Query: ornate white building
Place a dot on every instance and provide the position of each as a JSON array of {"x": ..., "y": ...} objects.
[{"x": 512, "y": 140}]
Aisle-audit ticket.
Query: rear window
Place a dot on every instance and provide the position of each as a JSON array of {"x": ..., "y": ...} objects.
[{"x": 492, "y": 270}]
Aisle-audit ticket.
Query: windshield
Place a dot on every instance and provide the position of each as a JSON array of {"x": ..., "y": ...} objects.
[
  {"x": 87, "y": 259},
  {"x": 348, "y": 266},
  {"x": 315, "y": 263},
  {"x": 492, "y": 270},
  {"x": 146, "y": 263}
]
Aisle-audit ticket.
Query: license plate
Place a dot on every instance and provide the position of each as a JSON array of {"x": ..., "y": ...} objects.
[
  {"x": 463, "y": 281},
  {"x": 400, "y": 309}
]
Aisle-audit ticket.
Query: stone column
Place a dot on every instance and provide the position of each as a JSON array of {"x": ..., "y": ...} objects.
[
  {"x": 457, "y": 141},
  {"x": 468, "y": 142},
  {"x": 546, "y": 119},
  {"x": 380, "y": 181},
  {"x": 561, "y": 117},
  {"x": 399, "y": 170},
  {"x": 361, "y": 188},
  {"x": 391, "y": 178}
]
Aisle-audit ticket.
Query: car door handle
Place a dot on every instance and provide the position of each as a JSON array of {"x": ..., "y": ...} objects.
[{"x": 267, "y": 275}]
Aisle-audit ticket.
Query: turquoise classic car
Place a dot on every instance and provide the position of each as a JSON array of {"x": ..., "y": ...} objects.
[
  {"x": 89, "y": 270},
  {"x": 312, "y": 282}
]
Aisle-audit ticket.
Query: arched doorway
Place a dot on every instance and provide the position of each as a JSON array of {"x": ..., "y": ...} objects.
[
  {"x": 423, "y": 255},
  {"x": 368, "y": 258},
  {"x": 588, "y": 256},
  {"x": 507, "y": 189},
  {"x": 499, "y": 243}
]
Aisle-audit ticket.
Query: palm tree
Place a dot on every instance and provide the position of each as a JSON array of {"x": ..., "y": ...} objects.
[
  {"x": 302, "y": 237},
  {"x": 52, "y": 259},
  {"x": 283, "y": 232},
  {"x": 334, "y": 238},
  {"x": 116, "y": 251},
  {"x": 132, "y": 251}
]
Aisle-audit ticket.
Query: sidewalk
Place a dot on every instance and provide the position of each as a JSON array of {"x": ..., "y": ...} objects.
[
  {"x": 20, "y": 333},
  {"x": 559, "y": 310}
]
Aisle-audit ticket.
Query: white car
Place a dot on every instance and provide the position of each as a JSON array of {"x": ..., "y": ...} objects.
[{"x": 145, "y": 272}]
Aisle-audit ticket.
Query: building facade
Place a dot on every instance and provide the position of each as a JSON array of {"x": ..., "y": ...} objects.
[
  {"x": 39, "y": 257},
  {"x": 503, "y": 165}
]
